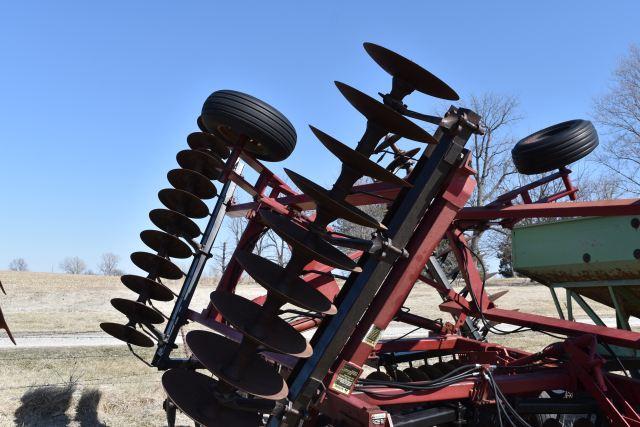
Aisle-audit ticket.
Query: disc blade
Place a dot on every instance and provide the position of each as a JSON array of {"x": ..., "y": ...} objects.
[
  {"x": 150, "y": 288},
  {"x": 386, "y": 143},
  {"x": 136, "y": 311},
  {"x": 314, "y": 246},
  {"x": 194, "y": 394},
  {"x": 208, "y": 141},
  {"x": 192, "y": 182},
  {"x": 356, "y": 160},
  {"x": 200, "y": 124},
  {"x": 335, "y": 206},
  {"x": 156, "y": 266},
  {"x": 410, "y": 72},
  {"x": 207, "y": 164},
  {"x": 3, "y": 325},
  {"x": 165, "y": 244},
  {"x": 183, "y": 202},
  {"x": 499, "y": 294},
  {"x": 400, "y": 160},
  {"x": 383, "y": 115},
  {"x": 127, "y": 334},
  {"x": 256, "y": 376},
  {"x": 174, "y": 223},
  {"x": 271, "y": 276},
  {"x": 272, "y": 332},
  {"x": 416, "y": 374}
]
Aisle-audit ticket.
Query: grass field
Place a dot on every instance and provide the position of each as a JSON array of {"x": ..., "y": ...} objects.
[{"x": 89, "y": 386}]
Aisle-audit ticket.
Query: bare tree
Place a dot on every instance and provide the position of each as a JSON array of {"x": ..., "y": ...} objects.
[
  {"x": 73, "y": 265},
  {"x": 221, "y": 259},
  {"x": 237, "y": 226},
  {"x": 18, "y": 264},
  {"x": 491, "y": 152},
  {"x": 377, "y": 211},
  {"x": 276, "y": 248},
  {"x": 109, "y": 264},
  {"x": 619, "y": 112}
]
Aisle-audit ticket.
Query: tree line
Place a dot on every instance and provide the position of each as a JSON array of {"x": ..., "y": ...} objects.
[{"x": 108, "y": 265}]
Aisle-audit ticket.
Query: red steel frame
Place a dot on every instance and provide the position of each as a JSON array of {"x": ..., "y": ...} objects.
[{"x": 447, "y": 218}]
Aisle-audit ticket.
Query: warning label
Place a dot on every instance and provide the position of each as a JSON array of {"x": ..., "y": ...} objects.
[
  {"x": 346, "y": 379},
  {"x": 373, "y": 335}
]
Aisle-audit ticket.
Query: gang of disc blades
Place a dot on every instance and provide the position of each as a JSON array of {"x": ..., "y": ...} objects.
[
  {"x": 383, "y": 115},
  {"x": 165, "y": 244},
  {"x": 357, "y": 161},
  {"x": 156, "y": 265},
  {"x": 410, "y": 72},
  {"x": 272, "y": 332},
  {"x": 294, "y": 290},
  {"x": 208, "y": 141},
  {"x": 127, "y": 334},
  {"x": 194, "y": 394},
  {"x": 307, "y": 241},
  {"x": 336, "y": 207},
  {"x": 183, "y": 202},
  {"x": 256, "y": 376},
  {"x": 208, "y": 164},
  {"x": 150, "y": 288},
  {"x": 174, "y": 223},
  {"x": 192, "y": 182},
  {"x": 136, "y": 311}
]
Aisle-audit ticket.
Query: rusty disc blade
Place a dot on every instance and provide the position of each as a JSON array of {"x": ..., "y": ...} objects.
[
  {"x": 174, "y": 223},
  {"x": 410, "y": 72},
  {"x": 165, "y": 244},
  {"x": 136, "y": 311},
  {"x": 127, "y": 334},
  {"x": 256, "y": 376},
  {"x": 357, "y": 161},
  {"x": 336, "y": 207},
  {"x": 192, "y": 182},
  {"x": 156, "y": 266},
  {"x": 208, "y": 164},
  {"x": 194, "y": 394},
  {"x": 272, "y": 332},
  {"x": 307, "y": 241},
  {"x": 208, "y": 141},
  {"x": 400, "y": 160},
  {"x": 183, "y": 202},
  {"x": 272, "y": 277},
  {"x": 384, "y": 116},
  {"x": 3, "y": 325},
  {"x": 150, "y": 288}
]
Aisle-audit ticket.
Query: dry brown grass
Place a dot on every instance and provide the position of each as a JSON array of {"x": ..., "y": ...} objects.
[
  {"x": 83, "y": 386},
  {"x": 87, "y": 386}
]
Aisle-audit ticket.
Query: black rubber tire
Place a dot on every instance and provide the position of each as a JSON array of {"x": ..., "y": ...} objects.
[
  {"x": 554, "y": 147},
  {"x": 229, "y": 114}
]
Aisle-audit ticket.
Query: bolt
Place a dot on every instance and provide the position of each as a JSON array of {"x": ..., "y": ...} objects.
[
  {"x": 636, "y": 254},
  {"x": 586, "y": 257},
  {"x": 635, "y": 223}
]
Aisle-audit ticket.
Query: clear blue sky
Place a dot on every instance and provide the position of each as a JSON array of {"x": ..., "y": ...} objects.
[{"x": 97, "y": 97}]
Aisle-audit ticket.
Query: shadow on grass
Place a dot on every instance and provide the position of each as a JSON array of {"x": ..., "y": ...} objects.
[
  {"x": 87, "y": 408},
  {"x": 47, "y": 406}
]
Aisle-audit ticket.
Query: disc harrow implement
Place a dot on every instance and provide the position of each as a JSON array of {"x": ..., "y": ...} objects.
[
  {"x": 255, "y": 365},
  {"x": 3, "y": 322}
]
